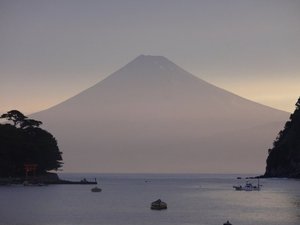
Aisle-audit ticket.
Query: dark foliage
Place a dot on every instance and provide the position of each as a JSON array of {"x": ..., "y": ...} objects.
[
  {"x": 23, "y": 142},
  {"x": 284, "y": 157},
  {"x": 19, "y": 120}
]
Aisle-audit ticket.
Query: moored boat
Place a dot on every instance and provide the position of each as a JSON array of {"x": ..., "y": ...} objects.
[
  {"x": 96, "y": 189},
  {"x": 248, "y": 187},
  {"x": 158, "y": 205}
]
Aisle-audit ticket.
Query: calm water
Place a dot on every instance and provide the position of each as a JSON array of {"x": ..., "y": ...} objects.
[{"x": 125, "y": 200}]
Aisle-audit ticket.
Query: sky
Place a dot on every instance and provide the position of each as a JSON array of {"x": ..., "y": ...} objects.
[{"x": 52, "y": 50}]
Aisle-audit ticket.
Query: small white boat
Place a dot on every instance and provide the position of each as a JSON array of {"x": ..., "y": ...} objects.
[{"x": 96, "y": 189}]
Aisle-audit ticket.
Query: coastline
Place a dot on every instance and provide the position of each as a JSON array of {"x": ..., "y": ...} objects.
[{"x": 46, "y": 179}]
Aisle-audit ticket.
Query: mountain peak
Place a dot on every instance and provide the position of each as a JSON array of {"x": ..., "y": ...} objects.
[
  {"x": 149, "y": 71},
  {"x": 150, "y": 61},
  {"x": 151, "y": 58}
]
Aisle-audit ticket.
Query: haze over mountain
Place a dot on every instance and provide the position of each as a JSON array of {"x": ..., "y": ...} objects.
[{"x": 153, "y": 116}]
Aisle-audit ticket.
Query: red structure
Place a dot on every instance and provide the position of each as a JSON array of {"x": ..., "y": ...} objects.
[{"x": 30, "y": 168}]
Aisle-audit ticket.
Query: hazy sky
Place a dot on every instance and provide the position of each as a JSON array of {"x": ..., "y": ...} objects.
[{"x": 51, "y": 50}]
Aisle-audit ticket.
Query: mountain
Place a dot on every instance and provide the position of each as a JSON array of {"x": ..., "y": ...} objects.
[{"x": 153, "y": 116}]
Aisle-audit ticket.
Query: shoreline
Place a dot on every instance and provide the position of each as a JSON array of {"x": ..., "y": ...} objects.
[{"x": 45, "y": 179}]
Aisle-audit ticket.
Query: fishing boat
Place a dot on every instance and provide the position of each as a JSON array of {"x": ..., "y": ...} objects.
[{"x": 248, "y": 187}]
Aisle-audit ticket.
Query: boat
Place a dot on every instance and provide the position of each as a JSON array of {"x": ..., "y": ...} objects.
[
  {"x": 158, "y": 205},
  {"x": 96, "y": 189},
  {"x": 248, "y": 187}
]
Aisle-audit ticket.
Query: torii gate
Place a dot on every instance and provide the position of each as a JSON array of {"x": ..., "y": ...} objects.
[{"x": 30, "y": 168}]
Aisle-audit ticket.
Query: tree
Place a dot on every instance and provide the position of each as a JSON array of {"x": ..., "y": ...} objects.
[
  {"x": 30, "y": 123},
  {"x": 15, "y": 116},
  {"x": 24, "y": 142},
  {"x": 19, "y": 120},
  {"x": 284, "y": 158}
]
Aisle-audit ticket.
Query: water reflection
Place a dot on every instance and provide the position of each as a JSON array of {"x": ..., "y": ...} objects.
[{"x": 288, "y": 190}]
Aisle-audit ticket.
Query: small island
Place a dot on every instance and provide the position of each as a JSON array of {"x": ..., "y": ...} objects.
[
  {"x": 284, "y": 157},
  {"x": 28, "y": 153}
]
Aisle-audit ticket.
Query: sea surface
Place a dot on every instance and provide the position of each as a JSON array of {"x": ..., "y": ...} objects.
[{"x": 204, "y": 199}]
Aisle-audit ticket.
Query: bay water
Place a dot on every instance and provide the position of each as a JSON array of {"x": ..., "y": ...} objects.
[{"x": 204, "y": 199}]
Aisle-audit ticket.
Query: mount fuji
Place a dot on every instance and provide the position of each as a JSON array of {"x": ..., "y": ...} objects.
[{"x": 151, "y": 116}]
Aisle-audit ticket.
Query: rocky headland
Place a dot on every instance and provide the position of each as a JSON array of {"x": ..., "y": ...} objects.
[{"x": 284, "y": 158}]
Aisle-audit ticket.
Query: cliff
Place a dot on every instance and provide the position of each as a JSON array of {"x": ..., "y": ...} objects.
[{"x": 284, "y": 157}]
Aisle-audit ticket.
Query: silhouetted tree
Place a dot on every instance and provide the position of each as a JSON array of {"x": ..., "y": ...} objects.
[
  {"x": 19, "y": 120},
  {"x": 284, "y": 158},
  {"x": 15, "y": 116},
  {"x": 24, "y": 142},
  {"x": 30, "y": 123}
]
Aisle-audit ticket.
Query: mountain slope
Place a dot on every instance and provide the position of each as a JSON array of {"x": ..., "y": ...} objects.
[{"x": 152, "y": 116}]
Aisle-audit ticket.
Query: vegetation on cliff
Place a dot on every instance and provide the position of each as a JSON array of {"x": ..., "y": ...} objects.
[
  {"x": 23, "y": 142},
  {"x": 284, "y": 157}
]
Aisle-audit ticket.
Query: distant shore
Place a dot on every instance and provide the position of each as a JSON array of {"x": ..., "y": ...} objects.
[{"x": 49, "y": 178}]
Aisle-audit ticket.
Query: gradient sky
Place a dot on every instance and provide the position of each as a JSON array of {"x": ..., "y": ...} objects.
[{"x": 52, "y": 50}]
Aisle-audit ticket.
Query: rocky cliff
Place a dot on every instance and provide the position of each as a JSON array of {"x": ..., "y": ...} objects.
[{"x": 284, "y": 157}]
